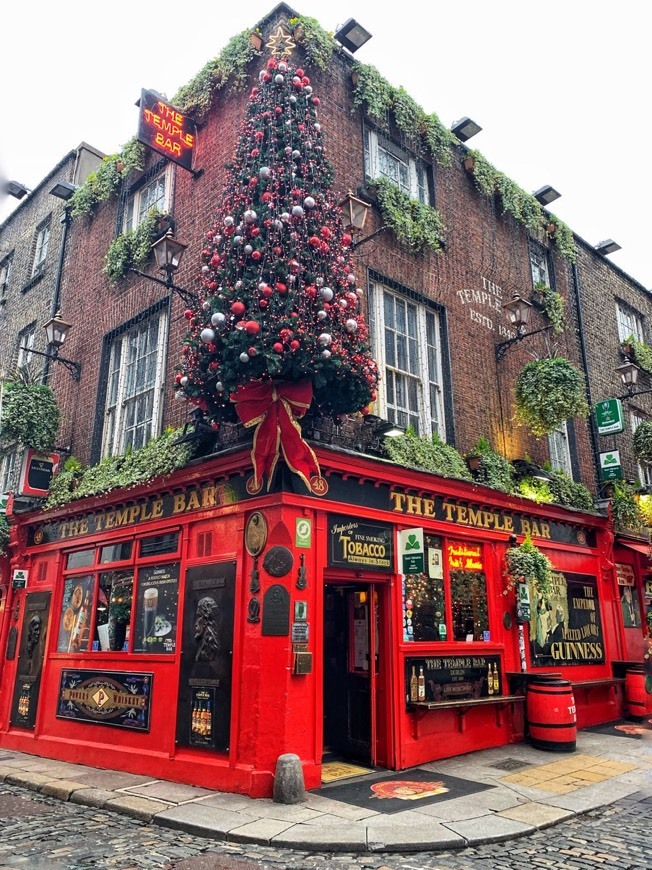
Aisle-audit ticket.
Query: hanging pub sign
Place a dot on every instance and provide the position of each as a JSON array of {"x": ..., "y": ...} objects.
[
  {"x": 609, "y": 417},
  {"x": 164, "y": 129},
  {"x": 359, "y": 545},
  {"x": 36, "y": 473}
]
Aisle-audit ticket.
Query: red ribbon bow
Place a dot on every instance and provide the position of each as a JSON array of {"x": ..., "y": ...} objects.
[{"x": 274, "y": 407}]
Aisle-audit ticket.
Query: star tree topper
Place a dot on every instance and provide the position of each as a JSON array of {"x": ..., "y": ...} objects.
[{"x": 280, "y": 43}]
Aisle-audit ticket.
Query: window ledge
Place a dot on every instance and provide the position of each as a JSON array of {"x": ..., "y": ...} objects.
[{"x": 34, "y": 280}]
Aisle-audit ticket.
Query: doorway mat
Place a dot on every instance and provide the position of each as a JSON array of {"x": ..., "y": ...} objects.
[
  {"x": 332, "y": 771},
  {"x": 622, "y": 728},
  {"x": 397, "y": 792}
]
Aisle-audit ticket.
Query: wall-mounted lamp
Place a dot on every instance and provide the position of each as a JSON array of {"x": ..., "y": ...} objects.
[
  {"x": 465, "y": 128},
  {"x": 56, "y": 331},
  {"x": 63, "y": 190},
  {"x": 352, "y": 35},
  {"x": 385, "y": 429},
  {"x": 519, "y": 316},
  {"x": 629, "y": 372},
  {"x": 168, "y": 253},
  {"x": 546, "y": 194},
  {"x": 525, "y": 468},
  {"x": 15, "y": 188},
  {"x": 608, "y": 246},
  {"x": 197, "y": 431},
  {"x": 354, "y": 216}
]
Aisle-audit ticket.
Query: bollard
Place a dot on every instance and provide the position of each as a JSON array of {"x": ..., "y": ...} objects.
[{"x": 289, "y": 787}]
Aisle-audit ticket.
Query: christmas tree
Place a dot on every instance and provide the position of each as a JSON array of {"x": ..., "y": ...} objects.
[{"x": 278, "y": 327}]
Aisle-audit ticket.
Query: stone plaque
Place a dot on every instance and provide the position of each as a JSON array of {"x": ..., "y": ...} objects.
[
  {"x": 278, "y": 561},
  {"x": 256, "y": 534},
  {"x": 276, "y": 611},
  {"x": 11, "y": 643}
]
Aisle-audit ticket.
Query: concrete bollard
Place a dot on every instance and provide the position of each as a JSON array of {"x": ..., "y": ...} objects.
[{"x": 289, "y": 787}]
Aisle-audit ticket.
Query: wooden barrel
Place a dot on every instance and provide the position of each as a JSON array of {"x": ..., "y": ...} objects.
[
  {"x": 551, "y": 717},
  {"x": 639, "y": 701}
]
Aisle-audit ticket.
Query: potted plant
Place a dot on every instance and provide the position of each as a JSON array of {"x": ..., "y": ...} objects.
[
  {"x": 256, "y": 39},
  {"x": 547, "y": 392},
  {"x": 527, "y": 564},
  {"x": 643, "y": 441}
]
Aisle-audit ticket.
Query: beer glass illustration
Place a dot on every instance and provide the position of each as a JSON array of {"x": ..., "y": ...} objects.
[{"x": 150, "y": 606}]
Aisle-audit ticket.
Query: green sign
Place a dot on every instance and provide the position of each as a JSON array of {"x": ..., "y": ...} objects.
[
  {"x": 411, "y": 548},
  {"x": 609, "y": 417},
  {"x": 610, "y": 468},
  {"x": 303, "y": 532}
]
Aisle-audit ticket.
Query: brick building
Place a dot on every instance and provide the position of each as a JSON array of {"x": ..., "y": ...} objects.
[{"x": 319, "y": 640}]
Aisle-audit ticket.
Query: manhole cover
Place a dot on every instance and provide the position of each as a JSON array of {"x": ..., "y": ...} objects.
[{"x": 510, "y": 764}]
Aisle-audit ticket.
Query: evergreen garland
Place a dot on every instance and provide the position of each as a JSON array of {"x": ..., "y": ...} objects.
[{"x": 417, "y": 225}]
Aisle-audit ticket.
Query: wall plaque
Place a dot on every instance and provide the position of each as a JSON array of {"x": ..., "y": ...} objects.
[
  {"x": 30, "y": 659},
  {"x": 276, "y": 611},
  {"x": 452, "y": 678},
  {"x": 256, "y": 534},
  {"x": 11, "y": 643},
  {"x": 278, "y": 561}
]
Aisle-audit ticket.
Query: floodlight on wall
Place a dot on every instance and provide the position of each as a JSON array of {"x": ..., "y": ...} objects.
[
  {"x": 546, "y": 194},
  {"x": 608, "y": 246},
  {"x": 388, "y": 430},
  {"x": 525, "y": 468},
  {"x": 519, "y": 316},
  {"x": 352, "y": 35},
  {"x": 465, "y": 128},
  {"x": 15, "y": 188},
  {"x": 63, "y": 190}
]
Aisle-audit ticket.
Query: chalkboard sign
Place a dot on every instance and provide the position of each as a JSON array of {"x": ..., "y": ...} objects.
[{"x": 452, "y": 678}]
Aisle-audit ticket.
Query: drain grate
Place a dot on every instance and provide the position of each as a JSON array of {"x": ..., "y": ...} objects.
[{"x": 510, "y": 764}]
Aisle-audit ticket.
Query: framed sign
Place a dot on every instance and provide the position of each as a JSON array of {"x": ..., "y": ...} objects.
[
  {"x": 164, "y": 129},
  {"x": 353, "y": 544},
  {"x": 36, "y": 473},
  {"x": 106, "y": 698}
]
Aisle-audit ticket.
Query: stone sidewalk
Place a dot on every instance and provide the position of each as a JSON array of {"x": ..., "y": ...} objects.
[{"x": 529, "y": 790}]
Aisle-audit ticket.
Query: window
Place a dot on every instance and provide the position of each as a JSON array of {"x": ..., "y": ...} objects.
[
  {"x": 130, "y": 607},
  {"x": 152, "y": 194},
  {"x": 5, "y": 272},
  {"x": 539, "y": 264},
  {"x": 25, "y": 344},
  {"x": 407, "y": 346},
  {"x": 134, "y": 385},
  {"x": 449, "y": 600},
  {"x": 630, "y": 323},
  {"x": 644, "y": 470},
  {"x": 41, "y": 246},
  {"x": 384, "y": 159},
  {"x": 558, "y": 444},
  {"x": 8, "y": 472}
]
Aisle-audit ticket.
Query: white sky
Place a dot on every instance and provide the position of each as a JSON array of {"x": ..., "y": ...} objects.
[{"x": 558, "y": 87}]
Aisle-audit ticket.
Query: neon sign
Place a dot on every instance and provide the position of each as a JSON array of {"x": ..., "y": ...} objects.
[{"x": 166, "y": 130}]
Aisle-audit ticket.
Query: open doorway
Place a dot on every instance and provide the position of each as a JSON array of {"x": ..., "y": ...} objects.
[{"x": 355, "y": 673}]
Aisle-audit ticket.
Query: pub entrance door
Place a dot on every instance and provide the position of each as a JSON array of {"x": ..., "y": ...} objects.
[{"x": 356, "y": 690}]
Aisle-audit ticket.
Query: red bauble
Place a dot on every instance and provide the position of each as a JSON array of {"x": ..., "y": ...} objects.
[
  {"x": 285, "y": 334},
  {"x": 315, "y": 101},
  {"x": 256, "y": 255},
  {"x": 346, "y": 239},
  {"x": 267, "y": 290},
  {"x": 323, "y": 247},
  {"x": 304, "y": 80},
  {"x": 259, "y": 135},
  {"x": 325, "y": 233},
  {"x": 282, "y": 289},
  {"x": 177, "y": 377},
  {"x": 299, "y": 72},
  {"x": 310, "y": 291},
  {"x": 294, "y": 344},
  {"x": 277, "y": 347},
  {"x": 255, "y": 152},
  {"x": 278, "y": 251},
  {"x": 314, "y": 241},
  {"x": 188, "y": 314},
  {"x": 215, "y": 261},
  {"x": 238, "y": 309},
  {"x": 266, "y": 196},
  {"x": 252, "y": 327},
  {"x": 263, "y": 303}
]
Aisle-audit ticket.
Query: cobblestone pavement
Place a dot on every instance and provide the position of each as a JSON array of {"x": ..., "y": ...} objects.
[{"x": 42, "y": 833}]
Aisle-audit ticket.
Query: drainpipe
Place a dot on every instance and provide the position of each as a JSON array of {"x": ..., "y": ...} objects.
[
  {"x": 66, "y": 220},
  {"x": 593, "y": 427}
]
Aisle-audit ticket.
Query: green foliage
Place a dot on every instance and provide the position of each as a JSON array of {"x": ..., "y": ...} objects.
[
  {"x": 569, "y": 492},
  {"x": 625, "y": 511},
  {"x": 100, "y": 185},
  {"x": 563, "y": 238},
  {"x": 132, "y": 248},
  {"x": 4, "y": 534},
  {"x": 317, "y": 43},
  {"x": 641, "y": 352},
  {"x": 380, "y": 101},
  {"x": 528, "y": 564},
  {"x": 643, "y": 441},
  {"x": 430, "y": 454},
  {"x": 484, "y": 173},
  {"x": 547, "y": 392},
  {"x": 494, "y": 470},
  {"x": 553, "y": 305},
  {"x": 30, "y": 416},
  {"x": 417, "y": 225},
  {"x": 535, "y": 489},
  {"x": 228, "y": 69},
  {"x": 160, "y": 456},
  {"x": 521, "y": 205}
]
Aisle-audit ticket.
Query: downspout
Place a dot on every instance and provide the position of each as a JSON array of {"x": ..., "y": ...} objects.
[
  {"x": 66, "y": 220},
  {"x": 593, "y": 428}
]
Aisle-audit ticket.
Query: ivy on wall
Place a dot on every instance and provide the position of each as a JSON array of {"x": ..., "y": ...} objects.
[
  {"x": 415, "y": 224},
  {"x": 102, "y": 184},
  {"x": 30, "y": 416},
  {"x": 132, "y": 248}
]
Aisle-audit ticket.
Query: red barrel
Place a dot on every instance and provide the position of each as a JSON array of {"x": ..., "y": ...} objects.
[
  {"x": 551, "y": 717},
  {"x": 639, "y": 701}
]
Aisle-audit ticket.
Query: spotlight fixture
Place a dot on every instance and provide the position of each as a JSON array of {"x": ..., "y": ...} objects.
[
  {"x": 352, "y": 35},
  {"x": 388, "y": 430},
  {"x": 546, "y": 194},
  {"x": 608, "y": 246},
  {"x": 465, "y": 128},
  {"x": 63, "y": 190},
  {"x": 15, "y": 188}
]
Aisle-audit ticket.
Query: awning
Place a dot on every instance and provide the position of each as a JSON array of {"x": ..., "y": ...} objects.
[{"x": 637, "y": 546}]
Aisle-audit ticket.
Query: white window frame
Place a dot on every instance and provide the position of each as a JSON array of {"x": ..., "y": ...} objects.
[
  {"x": 539, "y": 266},
  {"x": 5, "y": 273},
  {"x": 630, "y": 323},
  {"x": 422, "y": 377},
  {"x": 133, "y": 406},
  {"x": 153, "y": 194},
  {"x": 8, "y": 472},
  {"x": 26, "y": 339},
  {"x": 41, "y": 245},
  {"x": 379, "y": 152},
  {"x": 559, "y": 447},
  {"x": 644, "y": 470}
]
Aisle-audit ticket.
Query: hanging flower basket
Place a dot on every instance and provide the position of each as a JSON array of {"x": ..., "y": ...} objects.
[
  {"x": 527, "y": 564},
  {"x": 643, "y": 441},
  {"x": 547, "y": 392}
]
